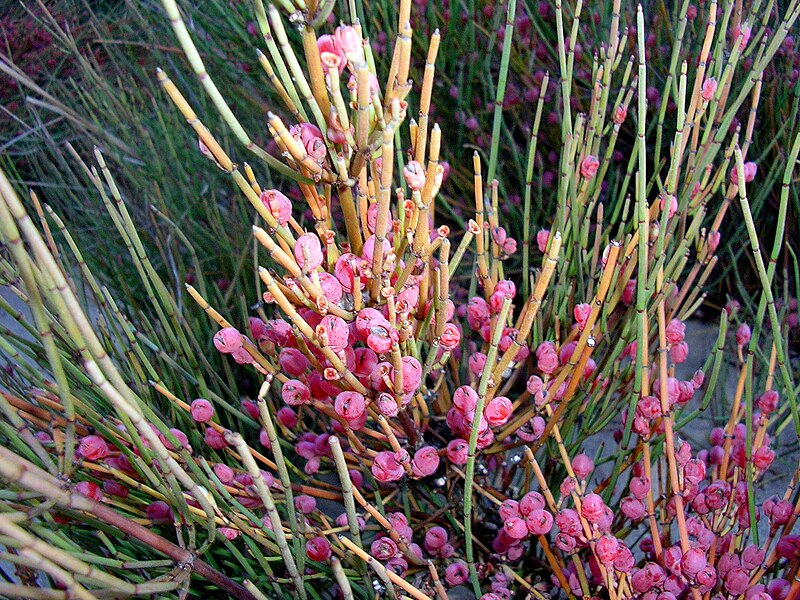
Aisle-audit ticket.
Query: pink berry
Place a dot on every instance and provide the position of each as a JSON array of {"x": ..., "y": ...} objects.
[
  {"x": 201, "y": 410},
  {"x": 350, "y": 405},
  {"x": 287, "y": 417},
  {"x": 547, "y": 358},
  {"x": 607, "y": 548},
  {"x": 676, "y": 331},
  {"x": 214, "y": 439},
  {"x": 93, "y": 447},
  {"x": 581, "y": 313},
  {"x": 633, "y": 508},
  {"x": 456, "y": 573},
  {"x": 159, "y": 512},
  {"x": 114, "y": 488},
  {"x": 542, "y": 237},
  {"x": 593, "y": 508},
  {"x": 743, "y": 334},
  {"x": 412, "y": 374},
  {"x": 414, "y": 175},
  {"x": 515, "y": 528},
  {"x": 426, "y": 461},
  {"x": 465, "y": 399},
  {"x": 498, "y": 411},
  {"x": 457, "y": 451},
  {"x": 336, "y": 331},
  {"x": 737, "y": 581},
  {"x": 305, "y": 504},
  {"x": 583, "y": 466},
  {"x": 224, "y": 473},
  {"x": 308, "y": 247},
  {"x": 539, "y": 522},
  {"x": 589, "y": 166},
  {"x": 90, "y": 490},
  {"x": 294, "y": 392},
  {"x": 435, "y": 538},
  {"x": 709, "y": 88},
  {"x": 385, "y": 467},
  {"x": 228, "y": 340},
  {"x": 278, "y": 205},
  {"x": 768, "y": 401},
  {"x": 450, "y": 338},
  {"x": 318, "y": 549},
  {"x": 530, "y": 502},
  {"x": 692, "y": 562}
]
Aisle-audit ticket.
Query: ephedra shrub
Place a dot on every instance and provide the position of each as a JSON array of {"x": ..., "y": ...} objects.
[{"x": 424, "y": 403}]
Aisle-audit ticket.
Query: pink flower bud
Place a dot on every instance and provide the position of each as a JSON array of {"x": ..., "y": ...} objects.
[
  {"x": 465, "y": 399},
  {"x": 385, "y": 467},
  {"x": 709, "y": 89},
  {"x": 569, "y": 522},
  {"x": 426, "y": 461},
  {"x": 241, "y": 356},
  {"x": 414, "y": 175},
  {"x": 381, "y": 337},
  {"x": 318, "y": 548},
  {"x": 93, "y": 447},
  {"x": 201, "y": 410},
  {"x": 629, "y": 292},
  {"x": 278, "y": 205},
  {"x": 229, "y": 533},
  {"x": 692, "y": 562},
  {"x": 412, "y": 374},
  {"x": 589, "y": 166},
  {"x": 478, "y": 312},
  {"x": 228, "y": 340},
  {"x": 583, "y": 466},
  {"x": 737, "y": 581},
  {"x": 114, "y": 488},
  {"x": 498, "y": 411},
  {"x": 670, "y": 201},
  {"x": 509, "y": 508},
  {"x": 763, "y": 458}
]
